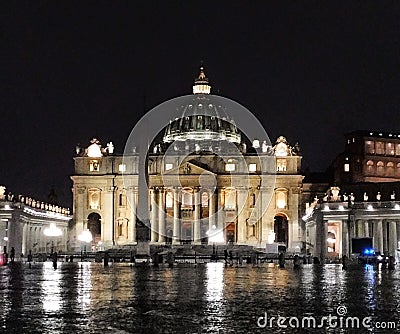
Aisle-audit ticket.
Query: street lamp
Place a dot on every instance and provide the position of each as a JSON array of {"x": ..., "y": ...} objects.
[
  {"x": 85, "y": 237},
  {"x": 52, "y": 231}
]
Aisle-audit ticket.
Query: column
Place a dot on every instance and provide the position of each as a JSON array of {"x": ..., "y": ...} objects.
[
  {"x": 154, "y": 214},
  {"x": 241, "y": 228},
  {"x": 196, "y": 218},
  {"x": 378, "y": 237},
  {"x": 161, "y": 215},
  {"x": 385, "y": 236},
  {"x": 220, "y": 207},
  {"x": 211, "y": 210},
  {"x": 398, "y": 234},
  {"x": 176, "y": 234},
  {"x": 360, "y": 228},
  {"x": 392, "y": 238},
  {"x": 345, "y": 238},
  {"x": 131, "y": 193},
  {"x": 366, "y": 228}
]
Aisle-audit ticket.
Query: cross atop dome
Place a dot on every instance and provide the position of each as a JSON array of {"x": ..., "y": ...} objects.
[{"x": 201, "y": 83}]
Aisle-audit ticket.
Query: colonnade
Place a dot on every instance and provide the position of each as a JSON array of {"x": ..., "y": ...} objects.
[{"x": 385, "y": 233}]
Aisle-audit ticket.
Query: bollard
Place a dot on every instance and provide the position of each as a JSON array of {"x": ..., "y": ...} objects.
[
  {"x": 170, "y": 259},
  {"x": 54, "y": 259},
  {"x": 296, "y": 261},
  {"x": 392, "y": 262},
  {"x": 155, "y": 260},
  {"x": 281, "y": 260}
]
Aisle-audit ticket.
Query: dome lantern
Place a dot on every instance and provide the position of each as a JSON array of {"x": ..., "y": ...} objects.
[{"x": 201, "y": 83}]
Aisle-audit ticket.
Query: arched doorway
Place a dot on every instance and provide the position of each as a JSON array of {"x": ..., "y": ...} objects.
[
  {"x": 94, "y": 226},
  {"x": 281, "y": 229}
]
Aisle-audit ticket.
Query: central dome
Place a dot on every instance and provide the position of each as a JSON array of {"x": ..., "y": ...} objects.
[{"x": 202, "y": 118}]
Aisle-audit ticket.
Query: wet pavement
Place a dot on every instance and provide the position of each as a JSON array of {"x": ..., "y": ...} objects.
[{"x": 85, "y": 297}]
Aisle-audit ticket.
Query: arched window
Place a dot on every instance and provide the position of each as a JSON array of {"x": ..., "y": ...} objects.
[
  {"x": 370, "y": 167},
  {"x": 390, "y": 169},
  {"x": 397, "y": 171},
  {"x": 204, "y": 199},
  {"x": 380, "y": 167}
]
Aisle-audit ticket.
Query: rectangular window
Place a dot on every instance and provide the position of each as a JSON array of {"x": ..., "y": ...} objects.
[
  {"x": 369, "y": 147},
  {"x": 347, "y": 167},
  {"x": 169, "y": 200},
  {"x": 169, "y": 166},
  {"x": 230, "y": 167},
  {"x": 380, "y": 147},
  {"x": 252, "y": 167},
  {"x": 122, "y": 168}
]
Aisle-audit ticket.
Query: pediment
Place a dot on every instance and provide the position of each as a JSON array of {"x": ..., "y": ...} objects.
[{"x": 188, "y": 168}]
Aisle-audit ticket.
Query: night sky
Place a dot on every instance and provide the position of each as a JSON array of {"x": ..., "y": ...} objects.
[{"x": 71, "y": 71}]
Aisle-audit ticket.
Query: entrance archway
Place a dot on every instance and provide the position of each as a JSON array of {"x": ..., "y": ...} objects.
[
  {"x": 281, "y": 229},
  {"x": 94, "y": 226}
]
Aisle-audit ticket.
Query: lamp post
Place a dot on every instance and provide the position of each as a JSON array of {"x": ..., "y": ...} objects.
[{"x": 52, "y": 231}]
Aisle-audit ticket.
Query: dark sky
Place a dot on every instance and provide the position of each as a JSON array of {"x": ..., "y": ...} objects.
[{"x": 309, "y": 70}]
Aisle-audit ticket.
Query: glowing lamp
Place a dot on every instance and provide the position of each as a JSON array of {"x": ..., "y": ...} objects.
[{"x": 52, "y": 231}]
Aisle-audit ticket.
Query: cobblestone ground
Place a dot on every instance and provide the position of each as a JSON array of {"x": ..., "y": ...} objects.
[{"x": 205, "y": 298}]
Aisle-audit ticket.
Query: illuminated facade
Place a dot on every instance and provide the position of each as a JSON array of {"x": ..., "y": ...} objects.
[
  {"x": 194, "y": 193},
  {"x": 27, "y": 224}
]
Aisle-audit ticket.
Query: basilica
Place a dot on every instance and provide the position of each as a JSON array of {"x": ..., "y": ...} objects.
[{"x": 207, "y": 182}]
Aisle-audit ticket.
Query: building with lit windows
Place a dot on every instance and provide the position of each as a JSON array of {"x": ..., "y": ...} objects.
[
  {"x": 369, "y": 157},
  {"x": 195, "y": 194}
]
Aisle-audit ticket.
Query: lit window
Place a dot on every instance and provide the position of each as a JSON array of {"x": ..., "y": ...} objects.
[
  {"x": 94, "y": 198},
  {"x": 230, "y": 199},
  {"x": 94, "y": 166},
  {"x": 347, "y": 167},
  {"x": 122, "y": 168},
  {"x": 187, "y": 198},
  {"x": 169, "y": 166},
  {"x": 169, "y": 200},
  {"x": 204, "y": 199},
  {"x": 230, "y": 167},
  {"x": 281, "y": 199},
  {"x": 281, "y": 165},
  {"x": 252, "y": 167}
]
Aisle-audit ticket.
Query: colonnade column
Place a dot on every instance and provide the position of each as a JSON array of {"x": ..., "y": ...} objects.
[
  {"x": 345, "y": 238},
  {"x": 211, "y": 210},
  {"x": 378, "y": 236},
  {"x": 132, "y": 200},
  {"x": 196, "y": 220},
  {"x": 392, "y": 238},
  {"x": 154, "y": 214},
  {"x": 385, "y": 225},
  {"x": 366, "y": 228},
  {"x": 176, "y": 234},
  {"x": 161, "y": 215},
  {"x": 220, "y": 207},
  {"x": 241, "y": 228}
]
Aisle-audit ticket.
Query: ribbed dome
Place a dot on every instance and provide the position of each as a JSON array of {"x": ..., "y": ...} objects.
[{"x": 202, "y": 119}]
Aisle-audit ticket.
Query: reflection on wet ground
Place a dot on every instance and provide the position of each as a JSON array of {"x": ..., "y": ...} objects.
[{"x": 208, "y": 298}]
